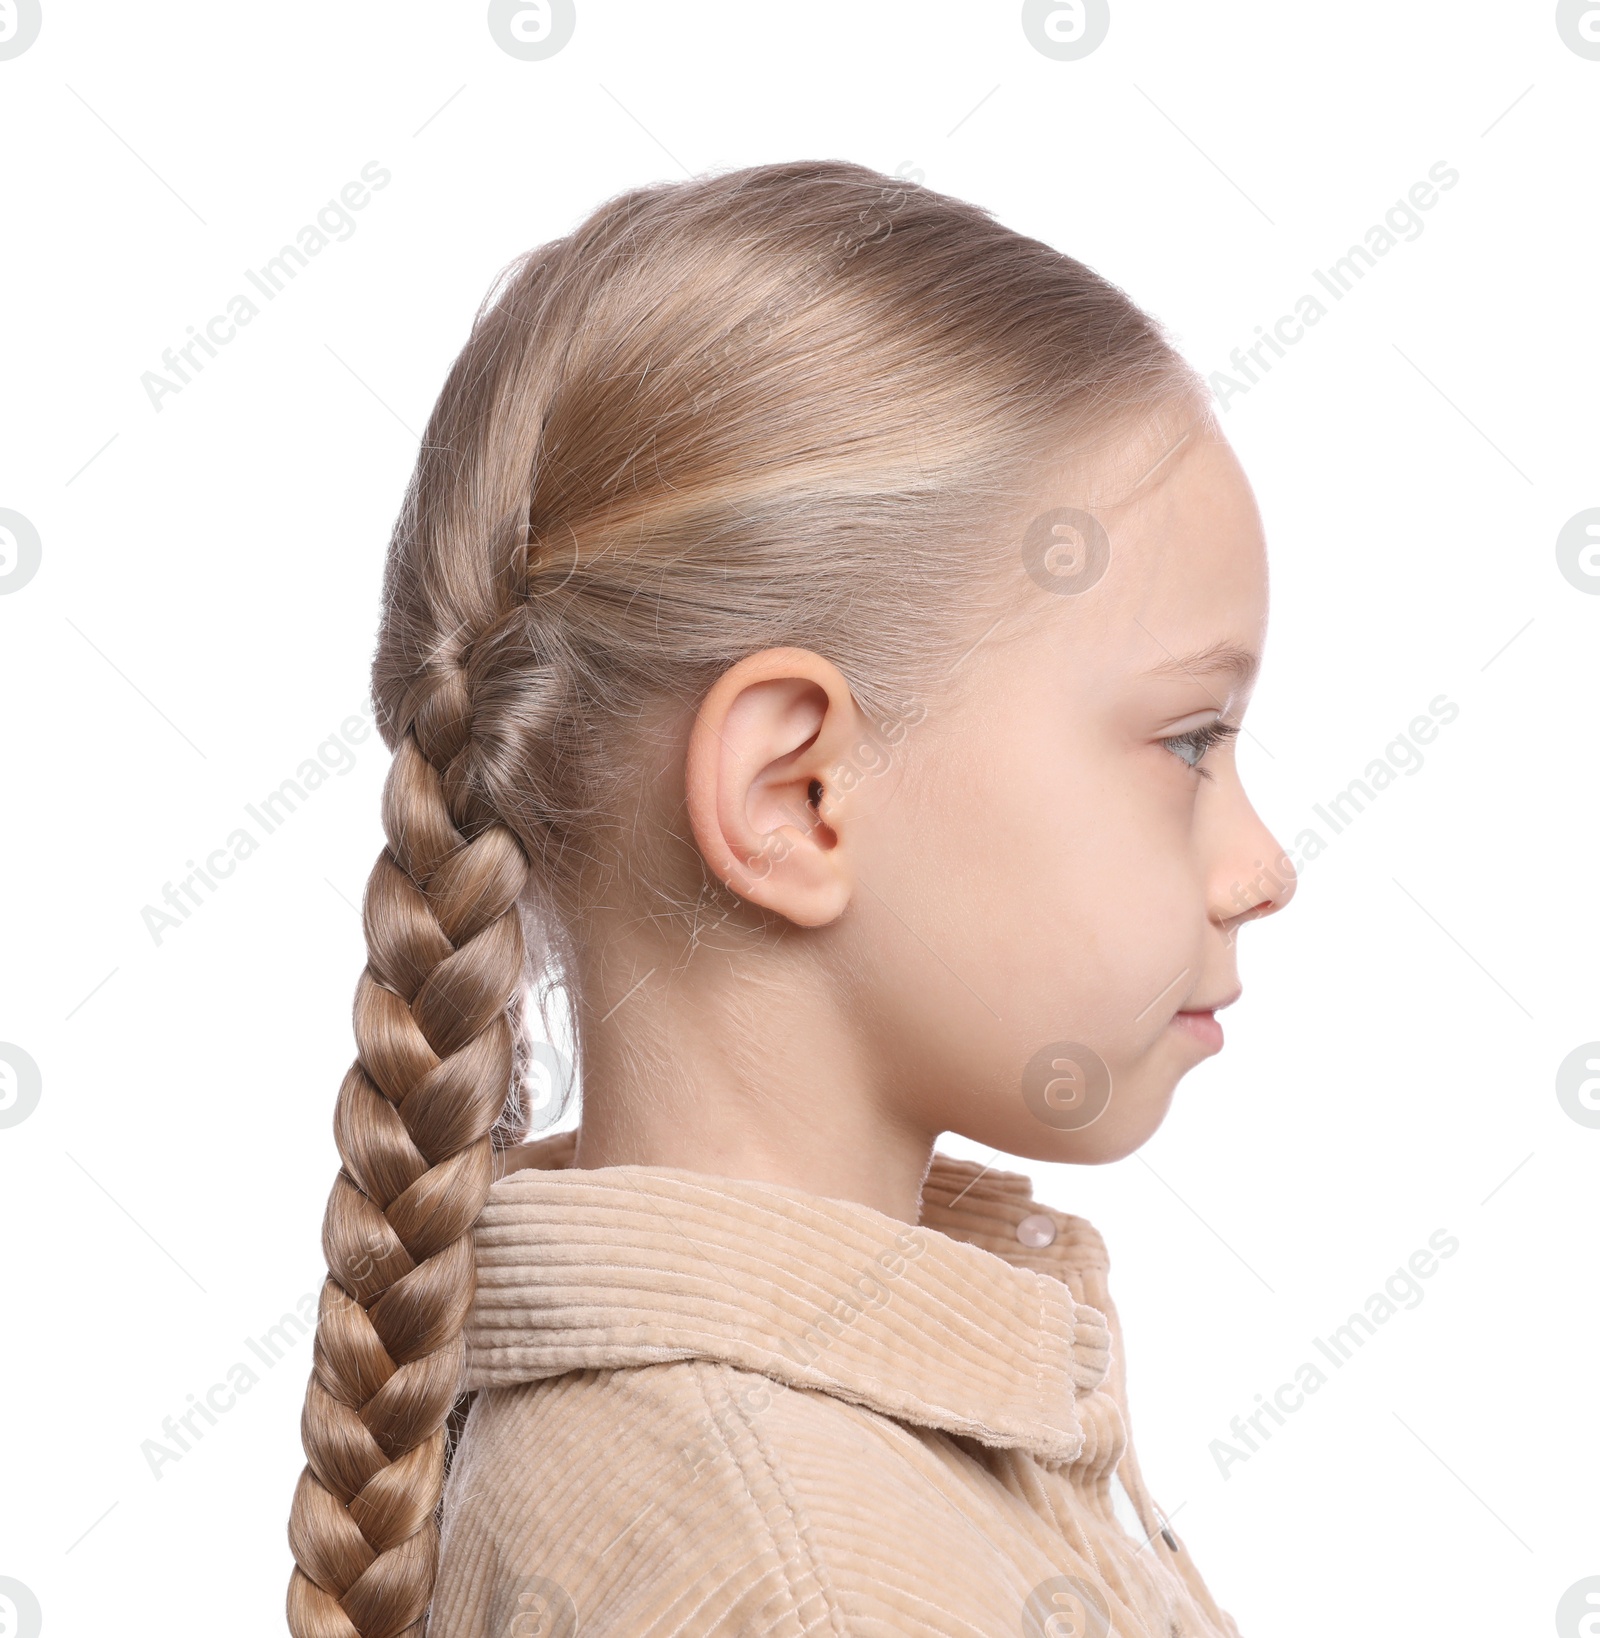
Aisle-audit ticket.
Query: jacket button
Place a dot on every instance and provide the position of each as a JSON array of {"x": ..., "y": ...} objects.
[{"x": 1037, "y": 1230}]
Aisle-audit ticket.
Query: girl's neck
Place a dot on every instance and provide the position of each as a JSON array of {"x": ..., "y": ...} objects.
[{"x": 802, "y": 1108}]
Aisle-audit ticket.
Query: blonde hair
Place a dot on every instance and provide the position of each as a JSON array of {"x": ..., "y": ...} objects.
[{"x": 785, "y": 405}]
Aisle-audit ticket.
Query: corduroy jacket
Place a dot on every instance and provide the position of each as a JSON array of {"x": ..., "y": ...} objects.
[{"x": 711, "y": 1408}]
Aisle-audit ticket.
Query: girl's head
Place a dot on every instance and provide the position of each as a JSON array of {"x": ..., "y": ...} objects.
[{"x": 800, "y": 635}]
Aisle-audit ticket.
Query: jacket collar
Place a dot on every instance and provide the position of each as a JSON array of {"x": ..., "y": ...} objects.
[{"x": 952, "y": 1324}]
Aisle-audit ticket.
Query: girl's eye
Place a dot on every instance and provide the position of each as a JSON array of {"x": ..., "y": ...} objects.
[{"x": 1189, "y": 748}]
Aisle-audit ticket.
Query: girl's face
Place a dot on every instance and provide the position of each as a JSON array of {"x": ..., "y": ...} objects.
[{"x": 1058, "y": 872}]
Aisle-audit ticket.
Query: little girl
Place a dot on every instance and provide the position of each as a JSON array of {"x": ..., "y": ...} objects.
[{"x": 814, "y": 635}]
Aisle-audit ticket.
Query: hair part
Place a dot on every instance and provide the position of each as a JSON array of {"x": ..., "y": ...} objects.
[{"x": 780, "y": 406}]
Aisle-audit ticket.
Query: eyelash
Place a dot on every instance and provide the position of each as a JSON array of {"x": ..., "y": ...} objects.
[{"x": 1201, "y": 740}]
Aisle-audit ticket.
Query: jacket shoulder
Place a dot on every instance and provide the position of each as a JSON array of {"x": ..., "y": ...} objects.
[
  {"x": 635, "y": 1501},
  {"x": 695, "y": 1498}
]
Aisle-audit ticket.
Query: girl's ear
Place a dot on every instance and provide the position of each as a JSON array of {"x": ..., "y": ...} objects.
[{"x": 766, "y": 740}]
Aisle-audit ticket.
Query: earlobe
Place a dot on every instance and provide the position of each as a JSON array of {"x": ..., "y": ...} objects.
[{"x": 756, "y": 782}]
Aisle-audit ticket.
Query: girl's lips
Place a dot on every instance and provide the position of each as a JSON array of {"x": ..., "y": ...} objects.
[{"x": 1203, "y": 1026}]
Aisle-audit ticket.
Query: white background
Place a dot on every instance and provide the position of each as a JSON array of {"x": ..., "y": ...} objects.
[{"x": 206, "y": 601}]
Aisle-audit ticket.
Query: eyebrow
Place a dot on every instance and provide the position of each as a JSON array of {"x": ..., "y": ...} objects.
[{"x": 1222, "y": 659}]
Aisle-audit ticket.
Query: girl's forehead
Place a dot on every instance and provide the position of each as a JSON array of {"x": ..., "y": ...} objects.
[
  {"x": 1190, "y": 543},
  {"x": 1183, "y": 595}
]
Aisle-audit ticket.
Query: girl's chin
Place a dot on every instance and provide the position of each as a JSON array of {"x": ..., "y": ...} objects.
[{"x": 1106, "y": 1140}]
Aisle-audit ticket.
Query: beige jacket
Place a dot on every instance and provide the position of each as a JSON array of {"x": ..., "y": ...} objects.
[{"x": 716, "y": 1407}]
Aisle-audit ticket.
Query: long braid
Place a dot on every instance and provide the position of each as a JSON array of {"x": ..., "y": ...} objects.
[{"x": 434, "y": 1027}]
